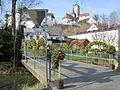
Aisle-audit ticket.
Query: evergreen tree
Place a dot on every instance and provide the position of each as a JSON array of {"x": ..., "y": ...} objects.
[{"x": 6, "y": 44}]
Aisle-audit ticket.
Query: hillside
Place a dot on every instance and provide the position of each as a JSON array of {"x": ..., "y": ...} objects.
[{"x": 72, "y": 30}]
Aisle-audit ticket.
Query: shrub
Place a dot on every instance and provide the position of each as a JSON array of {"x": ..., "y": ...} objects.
[
  {"x": 64, "y": 46},
  {"x": 111, "y": 50},
  {"x": 41, "y": 42},
  {"x": 57, "y": 56}
]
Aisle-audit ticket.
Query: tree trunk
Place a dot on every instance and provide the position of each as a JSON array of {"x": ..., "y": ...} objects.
[{"x": 13, "y": 30}]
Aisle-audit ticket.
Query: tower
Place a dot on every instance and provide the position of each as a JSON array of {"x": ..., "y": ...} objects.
[{"x": 76, "y": 10}]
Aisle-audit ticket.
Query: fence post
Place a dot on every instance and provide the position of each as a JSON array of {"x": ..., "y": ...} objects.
[
  {"x": 109, "y": 59},
  {"x": 86, "y": 58},
  {"x": 34, "y": 61}
]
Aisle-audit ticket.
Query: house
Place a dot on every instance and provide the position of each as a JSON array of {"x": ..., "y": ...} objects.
[
  {"x": 81, "y": 42},
  {"x": 100, "y": 26},
  {"x": 111, "y": 36},
  {"x": 75, "y": 18},
  {"x": 84, "y": 42},
  {"x": 27, "y": 21},
  {"x": 31, "y": 23},
  {"x": 71, "y": 19},
  {"x": 54, "y": 34},
  {"x": 83, "y": 16},
  {"x": 68, "y": 19}
]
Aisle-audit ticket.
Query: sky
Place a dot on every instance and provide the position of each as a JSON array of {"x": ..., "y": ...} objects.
[{"x": 61, "y": 7}]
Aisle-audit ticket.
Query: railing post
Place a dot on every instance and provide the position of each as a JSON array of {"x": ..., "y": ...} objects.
[
  {"x": 49, "y": 69},
  {"x": 34, "y": 61},
  {"x": 86, "y": 58},
  {"x": 45, "y": 28},
  {"x": 109, "y": 59}
]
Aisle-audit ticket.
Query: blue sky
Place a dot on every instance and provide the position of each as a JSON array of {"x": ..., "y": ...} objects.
[{"x": 61, "y": 7}]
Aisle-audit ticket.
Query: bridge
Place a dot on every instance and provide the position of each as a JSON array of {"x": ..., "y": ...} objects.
[
  {"x": 39, "y": 66},
  {"x": 76, "y": 75}
]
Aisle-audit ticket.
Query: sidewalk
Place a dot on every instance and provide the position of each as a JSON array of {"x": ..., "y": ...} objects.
[{"x": 81, "y": 76}]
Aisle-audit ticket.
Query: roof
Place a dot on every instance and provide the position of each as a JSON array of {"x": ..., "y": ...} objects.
[
  {"x": 84, "y": 14},
  {"x": 82, "y": 40},
  {"x": 50, "y": 14},
  {"x": 94, "y": 31},
  {"x": 68, "y": 16},
  {"x": 103, "y": 26}
]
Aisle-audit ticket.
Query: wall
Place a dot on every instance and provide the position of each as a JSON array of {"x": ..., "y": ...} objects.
[{"x": 110, "y": 37}]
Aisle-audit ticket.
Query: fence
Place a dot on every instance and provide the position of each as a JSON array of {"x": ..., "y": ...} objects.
[{"x": 101, "y": 59}]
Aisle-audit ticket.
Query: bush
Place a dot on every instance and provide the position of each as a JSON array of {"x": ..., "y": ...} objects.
[
  {"x": 111, "y": 50},
  {"x": 84, "y": 50},
  {"x": 57, "y": 56},
  {"x": 64, "y": 46},
  {"x": 41, "y": 43}
]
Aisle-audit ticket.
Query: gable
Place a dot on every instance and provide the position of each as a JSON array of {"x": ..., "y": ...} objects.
[
  {"x": 92, "y": 21},
  {"x": 93, "y": 27}
]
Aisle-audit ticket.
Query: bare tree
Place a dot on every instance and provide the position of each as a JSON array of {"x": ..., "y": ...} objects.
[
  {"x": 104, "y": 18},
  {"x": 114, "y": 17},
  {"x": 96, "y": 17},
  {"x": 28, "y": 3}
]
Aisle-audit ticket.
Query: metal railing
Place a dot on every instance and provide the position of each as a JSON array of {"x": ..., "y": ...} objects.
[{"x": 87, "y": 58}]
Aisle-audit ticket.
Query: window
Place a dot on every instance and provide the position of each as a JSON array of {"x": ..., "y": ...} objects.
[
  {"x": 37, "y": 37},
  {"x": 93, "y": 27},
  {"x": 31, "y": 37}
]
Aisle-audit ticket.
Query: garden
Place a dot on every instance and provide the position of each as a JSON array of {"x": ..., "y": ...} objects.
[{"x": 103, "y": 54}]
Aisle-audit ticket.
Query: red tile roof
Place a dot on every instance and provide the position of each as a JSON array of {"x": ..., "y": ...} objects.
[
  {"x": 82, "y": 40},
  {"x": 84, "y": 14},
  {"x": 68, "y": 16}
]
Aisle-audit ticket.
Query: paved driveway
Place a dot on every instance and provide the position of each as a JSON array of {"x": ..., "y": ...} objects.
[{"x": 81, "y": 76}]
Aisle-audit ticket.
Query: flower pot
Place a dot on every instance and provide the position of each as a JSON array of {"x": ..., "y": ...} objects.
[
  {"x": 59, "y": 85},
  {"x": 111, "y": 66}
]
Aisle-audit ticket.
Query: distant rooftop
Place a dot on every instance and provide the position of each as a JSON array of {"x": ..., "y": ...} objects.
[
  {"x": 68, "y": 16},
  {"x": 84, "y": 14}
]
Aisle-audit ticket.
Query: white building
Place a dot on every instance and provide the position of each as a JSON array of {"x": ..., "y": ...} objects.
[
  {"x": 109, "y": 36},
  {"x": 83, "y": 16},
  {"x": 53, "y": 33},
  {"x": 68, "y": 19},
  {"x": 76, "y": 17},
  {"x": 27, "y": 21}
]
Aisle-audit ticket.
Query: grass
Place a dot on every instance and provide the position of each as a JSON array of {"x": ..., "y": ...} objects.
[
  {"x": 22, "y": 79},
  {"x": 94, "y": 55},
  {"x": 89, "y": 60},
  {"x": 22, "y": 82},
  {"x": 36, "y": 52}
]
